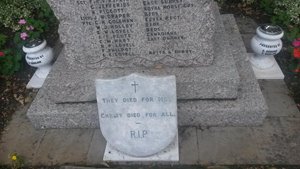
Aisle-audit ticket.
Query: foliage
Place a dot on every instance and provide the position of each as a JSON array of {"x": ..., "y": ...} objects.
[
  {"x": 11, "y": 11},
  {"x": 24, "y": 20},
  {"x": 37, "y": 14},
  {"x": 295, "y": 50},
  {"x": 29, "y": 29},
  {"x": 3, "y": 39},
  {"x": 9, "y": 61},
  {"x": 285, "y": 13},
  {"x": 17, "y": 161},
  {"x": 246, "y": 2}
]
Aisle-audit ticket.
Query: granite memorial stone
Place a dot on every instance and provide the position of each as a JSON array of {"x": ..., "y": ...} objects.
[
  {"x": 138, "y": 114},
  {"x": 108, "y": 39},
  {"x": 130, "y": 33},
  {"x": 111, "y": 39}
]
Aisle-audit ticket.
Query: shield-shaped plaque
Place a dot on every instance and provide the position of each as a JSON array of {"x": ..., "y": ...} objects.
[{"x": 137, "y": 113}]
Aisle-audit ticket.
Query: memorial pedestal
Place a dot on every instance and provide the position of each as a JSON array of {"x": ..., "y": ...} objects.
[
  {"x": 171, "y": 153},
  {"x": 247, "y": 110},
  {"x": 273, "y": 72}
]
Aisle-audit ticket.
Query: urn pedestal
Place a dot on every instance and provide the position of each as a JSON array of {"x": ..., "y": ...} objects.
[
  {"x": 38, "y": 55},
  {"x": 265, "y": 44}
]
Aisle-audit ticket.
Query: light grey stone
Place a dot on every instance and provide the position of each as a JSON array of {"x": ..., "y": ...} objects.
[
  {"x": 138, "y": 114},
  {"x": 248, "y": 109},
  {"x": 124, "y": 33},
  {"x": 217, "y": 81}
]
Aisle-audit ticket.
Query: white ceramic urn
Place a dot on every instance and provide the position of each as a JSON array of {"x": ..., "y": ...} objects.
[
  {"x": 265, "y": 44},
  {"x": 39, "y": 55}
]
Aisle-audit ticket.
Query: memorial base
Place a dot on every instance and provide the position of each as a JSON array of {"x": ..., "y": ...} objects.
[
  {"x": 39, "y": 77},
  {"x": 273, "y": 72},
  {"x": 249, "y": 109},
  {"x": 171, "y": 153}
]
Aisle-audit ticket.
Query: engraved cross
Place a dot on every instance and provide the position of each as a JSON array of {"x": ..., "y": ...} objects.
[{"x": 134, "y": 84}]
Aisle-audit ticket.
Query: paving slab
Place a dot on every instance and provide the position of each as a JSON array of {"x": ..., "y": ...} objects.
[
  {"x": 20, "y": 137},
  {"x": 64, "y": 146},
  {"x": 292, "y": 139},
  {"x": 278, "y": 98},
  {"x": 188, "y": 146},
  {"x": 96, "y": 149},
  {"x": 230, "y": 145},
  {"x": 268, "y": 144}
]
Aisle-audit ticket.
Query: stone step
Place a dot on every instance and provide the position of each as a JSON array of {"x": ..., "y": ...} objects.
[{"x": 248, "y": 109}]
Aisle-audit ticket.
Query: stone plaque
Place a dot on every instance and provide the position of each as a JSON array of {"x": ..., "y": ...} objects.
[
  {"x": 130, "y": 33},
  {"x": 138, "y": 114}
]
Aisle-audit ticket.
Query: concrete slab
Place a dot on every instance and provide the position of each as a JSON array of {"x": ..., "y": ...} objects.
[
  {"x": 278, "y": 99},
  {"x": 230, "y": 145},
  {"x": 188, "y": 146},
  {"x": 20, "y": 137},
  {"x": 96, "y": 149},
  {"x": 249, "y": 145},
  {"x": 292, "y": 139},
  {"x": 64, "y": 146}
]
